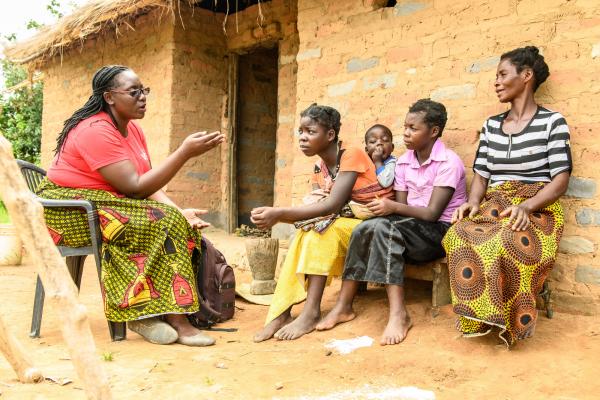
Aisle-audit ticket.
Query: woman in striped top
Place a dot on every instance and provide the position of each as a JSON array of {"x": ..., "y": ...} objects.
[{"x": 505, "y": 237}]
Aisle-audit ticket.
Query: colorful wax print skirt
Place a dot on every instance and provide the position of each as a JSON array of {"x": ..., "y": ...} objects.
[
  {"x": 147, "y": 250},
  {"x": 495, "y": 272}
]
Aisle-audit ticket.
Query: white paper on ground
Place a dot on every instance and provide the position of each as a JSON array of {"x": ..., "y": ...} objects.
[
  {"x": 372, "y": 392},
  {"x": 347, "y": 346}
]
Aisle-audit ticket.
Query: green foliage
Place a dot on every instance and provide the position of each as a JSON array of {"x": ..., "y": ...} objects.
[
  {"x": 31, "y": 24},
  {"x": 4, "y": 217},
  {"x": 21, "y": 113},
  {"x": 21, "y": 110},
  {"x": 54, "y": 7}
]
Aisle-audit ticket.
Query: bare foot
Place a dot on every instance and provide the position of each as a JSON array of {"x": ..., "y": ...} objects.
[
  {"x": 269, "y": 330},
  {"x": 338, "y": 315},
  {"x": 396, "y": 329},
  {"x": 302, "y": 325}
]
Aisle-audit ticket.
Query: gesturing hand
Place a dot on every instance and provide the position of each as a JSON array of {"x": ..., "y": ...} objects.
[
  {"x": 519, "y": 217},
  {"x": 193, "y": 218},
  {"x": 201, "y": 142},
  {"x": 381, "y": 207},
  {"x": 465, "y": 210},
  {"x": 264, "y": 217}
]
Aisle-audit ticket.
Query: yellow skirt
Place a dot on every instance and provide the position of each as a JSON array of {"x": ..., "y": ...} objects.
[{"x": 311, "y": 253}]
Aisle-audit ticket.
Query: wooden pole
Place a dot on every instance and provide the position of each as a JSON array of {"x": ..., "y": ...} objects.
[
  {"x": 232, "y": 99},
  {"x": 16, "y": 356},
  {"x": 28, "y": 217}
]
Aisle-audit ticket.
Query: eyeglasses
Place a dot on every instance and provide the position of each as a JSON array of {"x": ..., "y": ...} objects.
[{"x": 134, "y": 92}]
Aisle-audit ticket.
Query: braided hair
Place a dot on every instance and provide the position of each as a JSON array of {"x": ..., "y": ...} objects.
[
  {"x": 103, "y": 80},
  {"x": 435, "y": 113},
  {"x": 325, "y": 116},
  {"x": 529, "y": 57}
]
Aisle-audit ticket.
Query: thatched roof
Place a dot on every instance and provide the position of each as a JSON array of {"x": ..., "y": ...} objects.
[{"x": 89, "y": 20}]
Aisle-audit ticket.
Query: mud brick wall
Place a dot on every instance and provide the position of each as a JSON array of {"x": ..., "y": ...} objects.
[
  {"x": 67, "y": 80},
  {"x": 198, "y": 93},
  {"x": 278, "y": 25},
  {"x": 202, "y": 45},
  {"x": 257, "y": 126},
  {"x": 372, "y": 62},
  {"x": 184, "y": 61}
]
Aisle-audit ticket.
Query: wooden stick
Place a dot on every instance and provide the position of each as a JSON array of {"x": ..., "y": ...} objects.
[
  {"x": 27, "y": 216},
  {"x": 16, "y": 356}
]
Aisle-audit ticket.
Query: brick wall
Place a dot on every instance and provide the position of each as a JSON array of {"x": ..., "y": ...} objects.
[
  {"x": 373, "y": 63},
  {"x": 67, "y": 81},
  {"x": 257, "y": 126},
  {"x": 278, "y": 26},
  {"x": 185, "y": 63},
  {"x": 198, "y": 94}
]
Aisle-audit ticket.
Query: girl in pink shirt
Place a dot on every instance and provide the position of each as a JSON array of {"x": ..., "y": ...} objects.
[{"x": 430, "y": 185}]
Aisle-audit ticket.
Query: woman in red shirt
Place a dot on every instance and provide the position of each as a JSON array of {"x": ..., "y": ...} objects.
[{"x": 148, "y": 277}]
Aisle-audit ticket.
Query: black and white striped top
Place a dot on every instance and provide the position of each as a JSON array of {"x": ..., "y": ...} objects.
[{"x": 536, "y": 154}]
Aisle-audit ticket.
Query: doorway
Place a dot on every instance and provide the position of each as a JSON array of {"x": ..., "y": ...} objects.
[{"x": 256, "y": 127}]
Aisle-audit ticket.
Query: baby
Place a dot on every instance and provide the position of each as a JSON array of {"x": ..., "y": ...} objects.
[{"x": 379, "y": 146}]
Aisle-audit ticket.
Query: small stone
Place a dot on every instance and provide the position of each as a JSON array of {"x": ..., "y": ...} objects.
[
  {"x": 384, "y": 81},
  {"x": 278, "y": 386},
  {"x": 221, "y": 365},
  {"x": 454, "y": 92},
  {"x": 581, "y": 187},
  {"x": 358, "y": 64},
  {"x": 575, "y": 245},
  {"x": 341, "y": 89},
  {"x": 587, "y": 274}
]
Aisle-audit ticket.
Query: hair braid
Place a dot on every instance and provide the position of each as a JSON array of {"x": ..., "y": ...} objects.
[
  {"x": 326, "y": 116},
  {"x": 102, "y": 81},
  {"x": 529, "y": 57}
]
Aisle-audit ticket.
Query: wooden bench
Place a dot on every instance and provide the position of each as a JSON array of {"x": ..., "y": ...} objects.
[{"x": 437, "y": 273}]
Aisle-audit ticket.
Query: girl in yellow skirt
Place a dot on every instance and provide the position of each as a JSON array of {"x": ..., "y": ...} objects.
[{"x": 318, "y": 250}]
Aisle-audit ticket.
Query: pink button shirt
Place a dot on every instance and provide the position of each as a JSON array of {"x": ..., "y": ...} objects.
[{"x": 443, "y": 168}]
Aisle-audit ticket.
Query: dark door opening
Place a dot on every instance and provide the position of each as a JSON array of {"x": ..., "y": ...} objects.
[{"x": 256, "y": 127}]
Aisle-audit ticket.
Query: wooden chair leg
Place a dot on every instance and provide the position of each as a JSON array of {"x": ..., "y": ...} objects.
[
  {"x": 440, "y": 293},
  {"x": 545, "y": 295}
]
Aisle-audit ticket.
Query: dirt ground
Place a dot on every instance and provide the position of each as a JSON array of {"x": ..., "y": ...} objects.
[{"x": 559, "y": 362}]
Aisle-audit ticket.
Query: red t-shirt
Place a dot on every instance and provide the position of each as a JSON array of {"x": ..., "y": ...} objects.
[{"x": 95, "y": 143}]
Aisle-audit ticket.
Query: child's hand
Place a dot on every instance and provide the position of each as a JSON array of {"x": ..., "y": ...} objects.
[
  {"x": 377, "y": 155},
  {"x": 381, "y": 207},
  {"x": 264, "y": 217}
]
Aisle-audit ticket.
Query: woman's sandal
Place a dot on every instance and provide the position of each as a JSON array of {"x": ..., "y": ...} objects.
[
  {"x": 198, "y": 340},
  {"x": 154, "y": 330}
]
